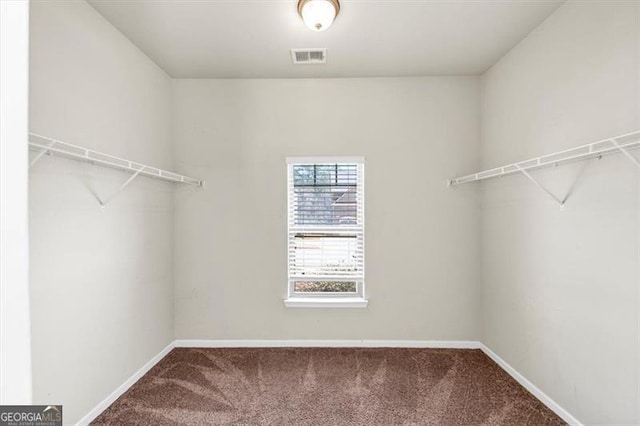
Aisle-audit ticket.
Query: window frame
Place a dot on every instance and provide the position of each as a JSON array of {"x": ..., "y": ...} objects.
[{"x": 326, "y": 299}]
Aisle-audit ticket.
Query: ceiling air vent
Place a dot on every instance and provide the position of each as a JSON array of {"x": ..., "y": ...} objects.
[{"x": 309, "y": 56}]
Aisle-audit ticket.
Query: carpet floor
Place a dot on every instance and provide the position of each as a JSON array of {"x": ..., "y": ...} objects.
[{"x": 327, "y": 386}]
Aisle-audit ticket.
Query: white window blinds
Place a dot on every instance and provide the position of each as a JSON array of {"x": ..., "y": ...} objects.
[{"x": 326, "y": 226}]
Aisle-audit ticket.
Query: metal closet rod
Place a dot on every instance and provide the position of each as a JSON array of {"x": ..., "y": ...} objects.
[
  {"x": 46, "y": 145},
  {"x": 622, "y": 144}
]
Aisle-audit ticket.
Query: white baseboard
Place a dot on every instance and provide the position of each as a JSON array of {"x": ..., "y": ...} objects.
[
  {"x": 95, "y": 412},
  {"x": 451, "y": 344},
  {"x": 437, "y": 344},
  {"x": 543, "y": 397}
]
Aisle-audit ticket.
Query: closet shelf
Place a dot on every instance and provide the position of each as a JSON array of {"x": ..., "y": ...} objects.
[
  {"x": 618, "y": 144},
  {"x": 45, "y": 145}
]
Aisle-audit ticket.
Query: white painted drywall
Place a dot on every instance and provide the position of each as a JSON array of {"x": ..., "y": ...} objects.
[
  {"x": 560, "y": 289},
  {"x": 101, "y": 280},
  {"x": 421, "y": 237},
  {"x": 15, "y": 328}
]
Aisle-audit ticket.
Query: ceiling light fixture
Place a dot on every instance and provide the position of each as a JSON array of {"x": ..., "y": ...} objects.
[{"x": 318, "y": 15}]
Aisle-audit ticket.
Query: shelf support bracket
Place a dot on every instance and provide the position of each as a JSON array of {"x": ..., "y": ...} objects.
[
  {"x": 42, "y": 153},
  {"x": 539, "y": 185},
  {"x": 104, "y": 202},
  {"x": 623, "y": 150}
]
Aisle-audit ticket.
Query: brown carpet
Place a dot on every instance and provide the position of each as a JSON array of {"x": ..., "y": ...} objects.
[{"x": 323, "y": 386}]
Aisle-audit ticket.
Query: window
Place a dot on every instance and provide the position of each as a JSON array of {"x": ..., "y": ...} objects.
[{"x": 326, "y": 232}]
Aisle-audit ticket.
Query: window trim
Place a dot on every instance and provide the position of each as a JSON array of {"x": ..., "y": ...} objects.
[
  {"x": 326, "y": 302},
  {"x": 326, "y": 299}
]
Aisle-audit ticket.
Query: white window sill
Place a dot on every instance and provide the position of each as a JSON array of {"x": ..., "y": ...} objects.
[{"x": 328, "y": 302}]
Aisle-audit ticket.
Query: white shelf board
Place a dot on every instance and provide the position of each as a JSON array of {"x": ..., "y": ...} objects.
[
  {"x": 617, "y": 144},
  {"x": 45, "y": 145}
]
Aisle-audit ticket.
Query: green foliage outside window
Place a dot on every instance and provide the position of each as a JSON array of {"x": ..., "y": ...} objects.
[{"x": 325, "y": 286}]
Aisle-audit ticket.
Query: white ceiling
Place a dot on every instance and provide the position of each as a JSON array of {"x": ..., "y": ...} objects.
[{"x": 251, "y": 39}]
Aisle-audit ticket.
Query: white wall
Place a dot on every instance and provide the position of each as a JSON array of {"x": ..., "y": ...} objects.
[
  {"x": 15, "y": 325},
  {"x": 101, "y": 280},
  {"x": 421, "y": 237},
  {"x": 560, "y": 289}
]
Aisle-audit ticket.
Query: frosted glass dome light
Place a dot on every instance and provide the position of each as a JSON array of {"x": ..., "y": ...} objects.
[{"x": 318, "y": 15}]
